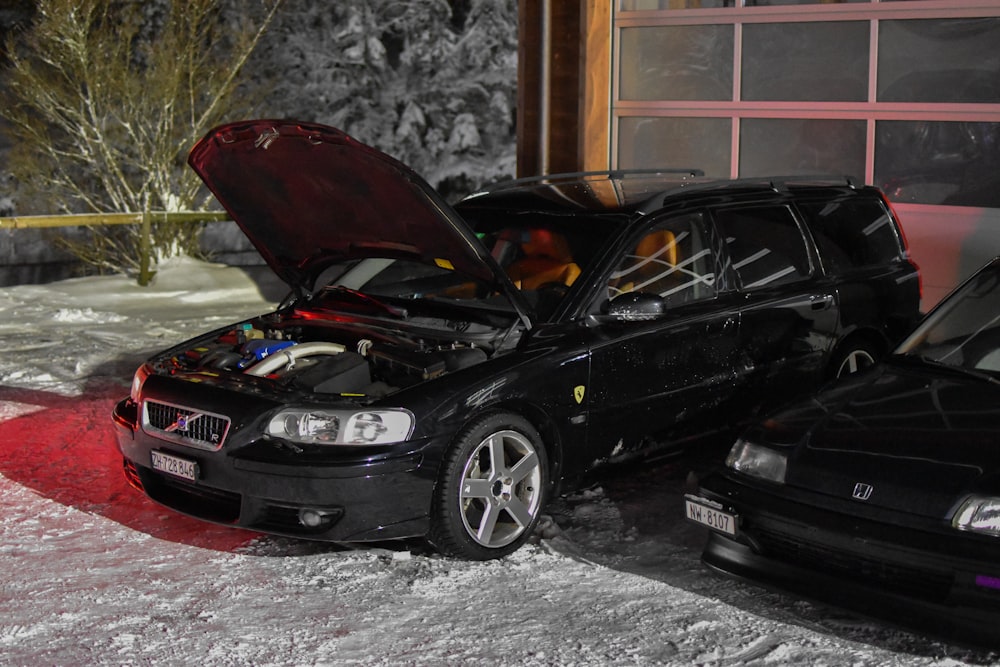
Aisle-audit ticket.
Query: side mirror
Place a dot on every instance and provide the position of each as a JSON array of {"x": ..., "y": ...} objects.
[{"x": 637, "y": 307}]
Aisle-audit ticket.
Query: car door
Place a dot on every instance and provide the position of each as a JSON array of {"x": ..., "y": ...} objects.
[
  {"x": 662, "y": 367},
  {"x": 789, "y": 315}
]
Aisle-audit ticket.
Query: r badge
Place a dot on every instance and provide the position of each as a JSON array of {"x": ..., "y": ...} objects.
[{"x": 578, "y": 391}]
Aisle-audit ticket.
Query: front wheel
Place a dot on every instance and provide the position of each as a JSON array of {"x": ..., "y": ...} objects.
[
  {"x": 491, "y": 488},
  {"x": 856, "y": 357}
]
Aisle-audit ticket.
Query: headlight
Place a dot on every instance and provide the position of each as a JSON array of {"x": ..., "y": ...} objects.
[
  {"x": 979, "y": 514},
  {"x": 140, "y": 376},
  {"x": 757, "y": 461},
  {"x": 341, "y": 427}
]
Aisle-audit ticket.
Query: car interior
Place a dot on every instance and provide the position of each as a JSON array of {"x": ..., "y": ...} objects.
[
  {"x": 670, "y": 263},
  {"x": 544, "y": 258}
]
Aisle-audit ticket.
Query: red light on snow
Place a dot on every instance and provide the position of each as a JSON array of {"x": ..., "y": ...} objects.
[{"x": 63, "y": 448}]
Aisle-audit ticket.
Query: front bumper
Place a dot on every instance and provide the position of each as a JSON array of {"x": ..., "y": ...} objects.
[
  {"x": 350, "y": 501},
  {"x": 891, "y": 567}
]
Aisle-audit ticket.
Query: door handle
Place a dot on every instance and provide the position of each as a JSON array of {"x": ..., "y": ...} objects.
[{"x": 820, "y": 301}]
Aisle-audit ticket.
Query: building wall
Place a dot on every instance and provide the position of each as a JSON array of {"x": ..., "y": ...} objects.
[
  {"x": 549, "y": 80},
  {"x": 948, "y": 243},
  {"x": 904, "y": 94}
]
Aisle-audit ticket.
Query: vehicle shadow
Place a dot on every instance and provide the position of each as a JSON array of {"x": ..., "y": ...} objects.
[{"x": 633, "y": 522}]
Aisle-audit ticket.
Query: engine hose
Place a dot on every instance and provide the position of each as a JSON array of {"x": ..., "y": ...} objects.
[{"x": 288, "y": 355}]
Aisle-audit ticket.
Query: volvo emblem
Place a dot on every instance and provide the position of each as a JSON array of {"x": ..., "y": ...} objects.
[
  {"x": 863, "y": 491},
  {"x": 183, "y": 422}
]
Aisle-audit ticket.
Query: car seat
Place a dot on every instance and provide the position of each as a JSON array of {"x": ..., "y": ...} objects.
[
  {"x": 653, "y": 265},
  {"x": 546, "y": 258}
]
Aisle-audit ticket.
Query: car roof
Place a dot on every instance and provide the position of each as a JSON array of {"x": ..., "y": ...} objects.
[
  {"x": 629, "y": 191},
  {"x": 593, "y": 192}
]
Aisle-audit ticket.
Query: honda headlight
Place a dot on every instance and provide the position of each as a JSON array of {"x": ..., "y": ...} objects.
[
  {"x": 979, "y": 514},
  {"x": 757, "y": 461},
  {"x": 341, "y": 427}
]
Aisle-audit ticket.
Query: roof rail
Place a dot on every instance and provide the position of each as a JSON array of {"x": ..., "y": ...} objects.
[
  {"x": 776, "y": 183},
  {"x": 782, "y": 182},
  {"x": 578, "y": 175}
]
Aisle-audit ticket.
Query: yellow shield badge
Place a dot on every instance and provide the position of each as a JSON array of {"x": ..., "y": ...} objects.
[{"x": 578, "y": 393}]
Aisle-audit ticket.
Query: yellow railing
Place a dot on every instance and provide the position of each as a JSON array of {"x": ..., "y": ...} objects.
[
  {"x": 145, "y": 220},
  {"x": 97, "y": 219}
]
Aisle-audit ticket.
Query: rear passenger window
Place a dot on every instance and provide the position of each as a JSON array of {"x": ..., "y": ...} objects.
[
  {"x": 765, "y": 245},
  {"x": 852, "y": 234}
]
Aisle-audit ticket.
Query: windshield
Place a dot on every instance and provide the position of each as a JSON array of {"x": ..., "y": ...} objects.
[
  {"x": 404, "y": 280},
  {"x": 964, "y": 331},
  {"x": 543, "y": 257}
]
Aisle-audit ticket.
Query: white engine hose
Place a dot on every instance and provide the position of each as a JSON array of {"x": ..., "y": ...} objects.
[{"x": 288, "y": 355}]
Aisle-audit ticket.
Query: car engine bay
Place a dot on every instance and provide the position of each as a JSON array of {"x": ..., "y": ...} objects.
[{"x": 333, "y": 354}]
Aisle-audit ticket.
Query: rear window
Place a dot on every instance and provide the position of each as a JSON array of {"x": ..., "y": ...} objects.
[
  {"x": 852, "y": 233},
  {"x": 765, "y": 245}
]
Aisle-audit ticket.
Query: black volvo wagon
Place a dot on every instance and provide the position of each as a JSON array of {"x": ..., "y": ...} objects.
[{"x": 441, "y": 371}]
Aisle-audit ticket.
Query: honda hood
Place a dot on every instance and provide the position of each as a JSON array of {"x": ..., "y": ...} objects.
[
  {"x": 919, "y": 436},
  {"x": 308, "y": 196}
]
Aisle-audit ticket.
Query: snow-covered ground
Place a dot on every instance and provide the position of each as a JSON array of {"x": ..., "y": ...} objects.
[{"x": 93, "y": 573}]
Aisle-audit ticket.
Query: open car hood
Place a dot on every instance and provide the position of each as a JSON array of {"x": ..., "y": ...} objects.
[{"x": 308, "y": 196}]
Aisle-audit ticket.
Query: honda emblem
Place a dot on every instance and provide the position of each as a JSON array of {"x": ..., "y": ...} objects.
[{"x": 863, "y": 491}]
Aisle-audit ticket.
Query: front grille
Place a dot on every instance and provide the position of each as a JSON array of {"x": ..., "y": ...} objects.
[
  {"x": 910, "y": 581},
  {"x": 183, "y": 425}
]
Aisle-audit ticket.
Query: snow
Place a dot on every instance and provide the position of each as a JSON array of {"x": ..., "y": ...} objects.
[{"x": 91, "y": 572}]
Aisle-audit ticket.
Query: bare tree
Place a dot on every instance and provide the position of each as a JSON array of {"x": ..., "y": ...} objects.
[{"x": 105, "y": 97}]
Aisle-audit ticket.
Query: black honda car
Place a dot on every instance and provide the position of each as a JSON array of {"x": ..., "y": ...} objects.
[
  {"x": 883, "y": 492},
  {"x": 441, "y": 371}
]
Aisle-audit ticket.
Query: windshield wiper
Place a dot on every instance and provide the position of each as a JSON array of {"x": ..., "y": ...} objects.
[{"x": 940, "y": 365}]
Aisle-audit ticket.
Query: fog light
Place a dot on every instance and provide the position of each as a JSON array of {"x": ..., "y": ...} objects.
[{"x": 313, "y": 518}]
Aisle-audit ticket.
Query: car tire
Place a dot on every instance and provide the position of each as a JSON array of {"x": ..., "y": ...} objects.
[
  {"x": 491, "y": 488},
  {"x": 856, "y": 356}
]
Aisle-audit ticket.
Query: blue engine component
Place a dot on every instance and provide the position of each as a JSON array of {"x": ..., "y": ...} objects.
[{"x": 255, "y": 350}]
